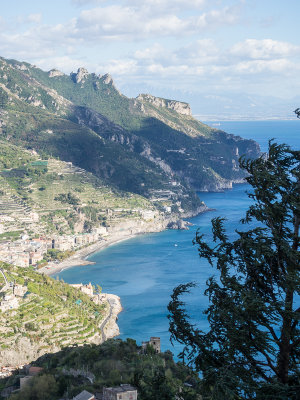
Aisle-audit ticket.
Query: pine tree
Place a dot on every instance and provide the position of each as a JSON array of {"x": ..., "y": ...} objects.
[
  {"x": 3, "y": 98},
  {"x": 251, "y": 350}
]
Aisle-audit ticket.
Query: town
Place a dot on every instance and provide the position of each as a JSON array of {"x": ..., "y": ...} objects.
[{"x": 27, "y": 252}]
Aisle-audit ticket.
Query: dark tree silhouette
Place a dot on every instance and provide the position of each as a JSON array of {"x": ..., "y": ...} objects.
[{"x": 252, "y": 347}]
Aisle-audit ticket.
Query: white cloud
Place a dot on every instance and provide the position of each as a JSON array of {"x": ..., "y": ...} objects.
[
  {"x": 2, "y": 24},
  {"x": 136, "y": 23},
  {"x": 87, "y": 2},
  {"x": 119, "y": 67},
  {"x": 216, "y": 18},
  {"x": 155, "y": 6},
  {"x": 195, "y": 55},
  {"x": 157, "y": 51},
  {"x": 265, "y": 49},
  {"x": 204, "y": 51},
  {"x": 166, "y": 6},
  {"x": 63, "y": 63},
  {"x": 168, "y": 43},
  {"x": 280, "y": 65},
  {"x": 35, "y": 18}
]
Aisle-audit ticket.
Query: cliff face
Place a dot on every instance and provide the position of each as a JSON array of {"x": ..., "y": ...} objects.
[{"x": 178, "y": 106}]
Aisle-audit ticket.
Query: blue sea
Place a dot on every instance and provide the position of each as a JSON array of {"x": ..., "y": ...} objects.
[{"x": 143, "y": 271}]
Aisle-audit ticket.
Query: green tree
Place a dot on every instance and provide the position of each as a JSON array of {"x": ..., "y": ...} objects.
[
  {"x": 42, "y": 387},
  {"x": 3, "y": 98},
  {"x": 252, "y": 347}
]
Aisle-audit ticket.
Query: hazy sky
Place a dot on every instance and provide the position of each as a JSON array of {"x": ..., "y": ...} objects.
[{"x": 199, "y": 47}]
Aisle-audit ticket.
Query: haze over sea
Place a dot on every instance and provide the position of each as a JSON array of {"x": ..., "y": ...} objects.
[{"x": 143, "y": 271}]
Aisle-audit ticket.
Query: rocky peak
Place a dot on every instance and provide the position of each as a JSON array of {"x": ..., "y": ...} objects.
[
  {"x": 55, "y": 72},
  {"x": 81, "y": 74},
  {"x": 21, "y": 67},
  {"x": 178, "y": 106},
  {"x": 107, "y": 79}
]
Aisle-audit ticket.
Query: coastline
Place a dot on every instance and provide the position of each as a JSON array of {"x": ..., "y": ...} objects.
[
  {"x": 114, "y": 237},
  {"x": 79, "y": 258}
]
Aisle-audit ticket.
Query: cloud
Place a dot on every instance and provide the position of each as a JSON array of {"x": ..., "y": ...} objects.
[
  {"x": 35, "y": 18},
  {"x": 162, "y": 6},
  {"x": 217, "y": 18},
  {"x": 136, "y": 23},
  {"x": 87, "y": 2},
  {"x": 205, "y": 65},
  {"x": 2, "y": 24},
  {"x": 119, "y": 67},
  {"x": 63, "y": 63},
  {"x": 167, "y": 43},
  {"x": 202, "y": 52},
  {"x": 280, "y": 65},
  {"x": 265, "y": 49},
  {"x": 154, "y": 5}
]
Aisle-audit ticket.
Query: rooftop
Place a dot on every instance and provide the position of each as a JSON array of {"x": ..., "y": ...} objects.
[
  {"x": 121, "y": 388},
  {"x": 85, "y": 395}
]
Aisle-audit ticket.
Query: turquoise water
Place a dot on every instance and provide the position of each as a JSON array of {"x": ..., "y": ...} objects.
[{"x": 143, "y": 271}]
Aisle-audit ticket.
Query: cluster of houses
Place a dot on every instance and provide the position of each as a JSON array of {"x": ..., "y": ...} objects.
[
  {"x": 27, "y": 372},
  {"x": 122, "y": 392},
  {"x": 5, "y": 372},
  {"x": 25, "y": 252},
  {"x": 12, "y": 296},
  {"x": 88, "y": 289}
]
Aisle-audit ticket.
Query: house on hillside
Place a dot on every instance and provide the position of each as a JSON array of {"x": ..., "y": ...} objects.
[
  {"x": 122, "y": 392},
  {"x": 9, "y": 302},
  {"x": 85, "y": 395},
  {"x": 154, "y": 342}
]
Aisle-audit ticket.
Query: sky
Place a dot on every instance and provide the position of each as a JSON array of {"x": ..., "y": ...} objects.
[{"x": 235, "y": 57}]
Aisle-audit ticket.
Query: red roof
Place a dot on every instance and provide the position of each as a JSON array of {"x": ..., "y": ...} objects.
[{"x": 35, "y": 370}]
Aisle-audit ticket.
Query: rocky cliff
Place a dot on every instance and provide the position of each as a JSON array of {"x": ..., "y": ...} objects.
[{"x": 178, "y": 106}]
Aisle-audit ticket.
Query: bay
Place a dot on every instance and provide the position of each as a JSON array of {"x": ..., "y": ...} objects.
[{"x": 143, "y": 271}]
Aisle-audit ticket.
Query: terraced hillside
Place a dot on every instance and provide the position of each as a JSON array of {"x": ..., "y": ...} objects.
[
  {"x": 53, "y": 196},
  {"x": 49, "y": 316}
]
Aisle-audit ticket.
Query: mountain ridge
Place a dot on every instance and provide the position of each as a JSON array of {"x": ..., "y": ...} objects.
[{"x": 150, "y": 135}]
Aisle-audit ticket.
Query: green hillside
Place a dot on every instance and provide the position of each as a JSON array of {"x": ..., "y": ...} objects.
[
  {"x": 113, "y": 363},
  {"x": 50, "y": 315},
  {"x": 66, "y": 198},
  {"x": 138, "y": 145}
]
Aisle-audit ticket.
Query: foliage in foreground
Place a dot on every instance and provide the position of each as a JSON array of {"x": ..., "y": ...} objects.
[
  {"x": 114, "y": 362},
  {"x": 252, "y": 347}
]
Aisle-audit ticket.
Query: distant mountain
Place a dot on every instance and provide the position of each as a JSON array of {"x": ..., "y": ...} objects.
[
  {"x": 145, "y": 145},
  {"x": 229, "y": 105}
]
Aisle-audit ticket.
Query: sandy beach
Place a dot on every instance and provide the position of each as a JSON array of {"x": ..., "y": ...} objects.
[{"x": 79, "y": 258}]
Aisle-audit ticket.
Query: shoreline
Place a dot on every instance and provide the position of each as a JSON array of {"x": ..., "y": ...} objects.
[{"x": 80, "y": 257}]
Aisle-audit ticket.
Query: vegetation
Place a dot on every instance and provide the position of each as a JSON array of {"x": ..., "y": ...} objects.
[
  {"x": 13, "y": 156},
  {"x": 52, "y": 313},
  {"x": 252, "y": 348},
  {"x": 12, "y": 235},
  {"x": 63, "y": 195},
  {"x": 67, "y": 198},
  {"x": 156, "y": 376},
  {"x": 129, "y": 143},
  {"x": 55, "y": 254}
]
